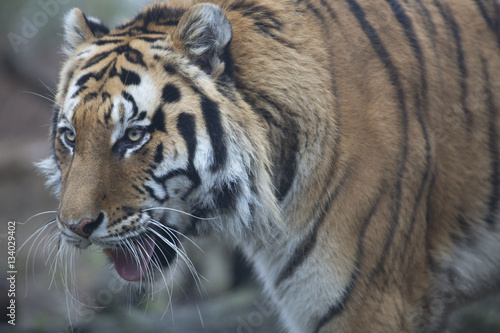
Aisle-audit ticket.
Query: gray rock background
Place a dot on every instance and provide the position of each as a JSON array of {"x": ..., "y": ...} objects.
[{"x": 29, "y": 64}]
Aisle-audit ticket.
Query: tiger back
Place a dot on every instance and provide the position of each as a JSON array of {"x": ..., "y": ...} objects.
[{"x": 349, "y": 147}]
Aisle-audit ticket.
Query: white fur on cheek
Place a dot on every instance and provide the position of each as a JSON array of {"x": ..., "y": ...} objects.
[{"x": 49, "y": 168}]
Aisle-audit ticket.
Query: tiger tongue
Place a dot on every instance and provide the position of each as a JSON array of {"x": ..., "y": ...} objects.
[{"x": 127, "y": 264}]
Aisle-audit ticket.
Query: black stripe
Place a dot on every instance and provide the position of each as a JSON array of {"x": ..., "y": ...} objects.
[
  {"x": 491, "y": 218},
  {"x": 429, "y": 22},
  {"x": 303, "y": 250},
  {"x": 170, "y": 69},
  {"x": 53, "y": 122},
  {"x": 126, "y": 33},
  {"x": 338, "y": 119},
  {"x": 187, "y": 128},
  {"x": 465, "y": 235},
  {"x": 82, "y": 88},
  {"x": 431, "y": 263},
  {"x": 421, "y": 103},
  {"x": 385, "y": 58},
  {"x": 138, "y": 189},
  {"x": 134, "y": 57},
  {"x": 107, "y": 114},
  {"x": 129, "y": 78},
  {"x": 425, "y": 177},
  {"x": 96, "y": 59},
  {"x": 267, "y": 116},
  {"x": 97, "y": 28},
  {"x": 170, "y": 93},
  {"x": 150, "y": 39},
  {"x": 83, "y": 79},
  {"x": 211, "y": 114},
  {"x": 429, "y": 26},
  {"x": 329, "y": 9},
  {"x": 260, "y": 14},
  {"x": 264, "y": 20},
  {"x": 464, "y": 226},
  {"x": 142, "y": 115},
  {"x": 96, "y": 76},
  {"x": 226, "y": 195},
  {"x": 130, "y": 98},
  {"x": 493, "y": 23},
  {"x": 313, "y": 10},
  {"x": 288, "y": 165},
  {"x": 152, "y": 194},
  {"x": 407, "y": 25},
  {"x": 159, "y": 153},
  {"x": 337, "y": 307},
  {"x": 158, "y": 122},
  {"x": 108, "y": 41},
  {"x": 288, "y": 141},
  {"x": 158, "y": 14},
  {"x": 455, "y": 30},
  {"x": 89, "y": 97}
]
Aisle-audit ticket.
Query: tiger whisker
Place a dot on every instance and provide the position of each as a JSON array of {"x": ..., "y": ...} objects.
[
  {"x": 169, "y": 290},
  {"x": 37, "y": 234},
  {"x": 65, "y": 257},
  {"x": 182, "y": 250},
  {"x": 168, "y": 229},
  {"x": 158, "y": 266},
  {"x": 71, "y": 269},
  {"x": 48, "y": 88},
  {"x": 149, "y": 276},
  {"x": 36, "y": 215},
  {"x": 53, "y": 265},
  {"x": 166, "y": 285},
  {"x": 39, "y": 95},
  {"x": 181, "y": 253},
  {"x": 130, "y": 246},
  {"x": 36, "y": 250},
  {"x": 39, "y": 230},
  {"x": 49, "y": 255},
  {"x": 182, "y": 212}
]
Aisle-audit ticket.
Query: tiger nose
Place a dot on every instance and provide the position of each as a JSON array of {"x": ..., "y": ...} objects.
[{"x": 85, "y": 227}]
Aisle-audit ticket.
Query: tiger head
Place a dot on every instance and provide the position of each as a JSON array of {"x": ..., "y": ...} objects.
[{"x": 152, "y": 143}]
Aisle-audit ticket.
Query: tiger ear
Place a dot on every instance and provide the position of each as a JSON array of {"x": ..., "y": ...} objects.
[
  {"x": 204, "y": 34},
  {"x": 79, "y": 29}
]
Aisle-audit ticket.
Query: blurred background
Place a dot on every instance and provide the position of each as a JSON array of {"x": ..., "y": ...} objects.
[{"x": 228, "y": 301}]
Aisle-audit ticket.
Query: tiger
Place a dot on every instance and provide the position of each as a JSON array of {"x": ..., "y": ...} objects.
[{"x": 348, "y": 148}]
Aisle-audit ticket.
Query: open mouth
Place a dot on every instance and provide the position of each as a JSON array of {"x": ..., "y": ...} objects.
[{"x": 134, "y": 260}]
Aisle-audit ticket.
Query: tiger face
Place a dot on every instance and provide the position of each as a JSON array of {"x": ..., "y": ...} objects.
[{"x": 138, "y": 123}]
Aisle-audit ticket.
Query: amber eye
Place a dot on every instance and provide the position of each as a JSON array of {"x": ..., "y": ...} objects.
[
  {"x": 70, "y": 136},
  {"x": 135, "y": 135}
]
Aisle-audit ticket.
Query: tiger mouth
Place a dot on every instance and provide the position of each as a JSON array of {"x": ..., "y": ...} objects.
[{"x": 135, "y": 260}]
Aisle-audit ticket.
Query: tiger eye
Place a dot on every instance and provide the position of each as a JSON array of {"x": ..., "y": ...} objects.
[
  {"x": 70, "y": 136},
  {"x": 134, "y": 135}
]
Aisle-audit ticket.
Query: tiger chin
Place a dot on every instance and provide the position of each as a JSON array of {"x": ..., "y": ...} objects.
[{"x": 349, "y": 148}]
